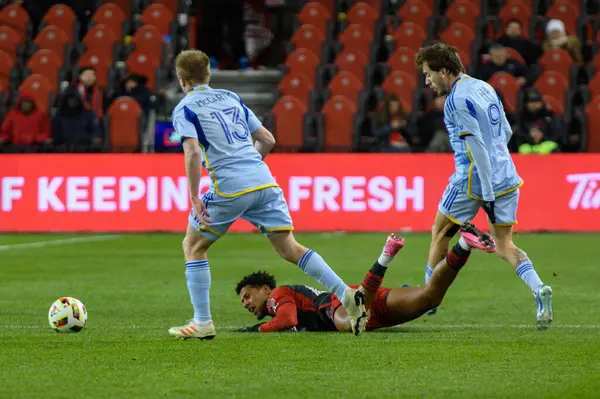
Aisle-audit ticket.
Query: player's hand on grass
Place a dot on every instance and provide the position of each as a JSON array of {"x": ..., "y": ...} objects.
[
  {"x": 254, "y": 328},
  {"x": 201, "y": 212},
  {"x": 488, "y": 207}
]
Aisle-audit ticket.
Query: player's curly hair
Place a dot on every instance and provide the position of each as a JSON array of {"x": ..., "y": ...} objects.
[
  {"x": 256, "y": 279},
  {"x": 440, "y": 56}
]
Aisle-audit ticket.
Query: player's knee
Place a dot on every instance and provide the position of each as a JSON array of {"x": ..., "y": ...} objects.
[{"x": 192, "y": 249}]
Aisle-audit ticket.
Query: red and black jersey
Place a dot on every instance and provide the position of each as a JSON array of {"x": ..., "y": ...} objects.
[{"x": 301, "y": 308}]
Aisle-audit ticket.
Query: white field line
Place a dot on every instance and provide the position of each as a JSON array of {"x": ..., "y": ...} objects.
[
  {"x": 399, "y": 328},
  {"x": 52, "y": 243}
]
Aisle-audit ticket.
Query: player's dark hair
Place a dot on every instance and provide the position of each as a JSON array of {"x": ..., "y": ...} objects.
[
  {"x": 440, "y": 56},
  {"x": 256, "y": 279}
]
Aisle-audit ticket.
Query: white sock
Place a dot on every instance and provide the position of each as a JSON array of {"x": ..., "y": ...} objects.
[
  {"x": 315, "y": 266},
  {"x": 463, "y": 244},
  {"x": 198, "y": 281},
  {"x": 384, "y": 260},
  {"x": 528, "y": 274}
]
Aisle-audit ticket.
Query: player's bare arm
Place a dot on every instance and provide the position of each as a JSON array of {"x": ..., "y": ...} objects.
[
  {"x": 193, "y": 170},
  {"x": 264, "y": 141}
]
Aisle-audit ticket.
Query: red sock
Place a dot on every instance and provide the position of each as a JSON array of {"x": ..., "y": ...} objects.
[
  {"x": 371, "y": 282},
  {"x": 457, "y": 257}
]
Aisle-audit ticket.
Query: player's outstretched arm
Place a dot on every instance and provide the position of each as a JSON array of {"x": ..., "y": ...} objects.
[
  {"x": 264, "y": 141},
  {"x": 286, "y": 318}
]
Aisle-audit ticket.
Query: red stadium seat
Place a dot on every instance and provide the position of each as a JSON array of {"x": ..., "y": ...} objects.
[
  {"x": 315, "y": 14},
  {"x": 358, "y": 38},
  {"x": 143, "y": 64},
  {"x": 403, "y": 59},
  {"x": 410, "y": 35},
  {"x": 464, "y": 12},
  {"x": 40, "y": 89},
  {"x": 53, "y": 38},
  {"x": 592, "y": 111},
  {"x": 594, "y": 86},
  {"x": 557, "y": 60},
  {"x": 297, "y": 85},
  {"x": 172, "y": 5},
  {"x": 328, "y": 4},
  {"x": 9, "y": 41},
  {"x": 124, "y": 124},
  {"x": 158, "y": 15},
  {"x": 309, "y": 37},
  {"x": 506, "y": 84},
  {"x": 16, "y": 17},
  {"x": 338, "y": 119},
  {"x": 567, "y": 13},
  {"x": 7, "y": 63},
  {"x": 62, "y": 16},
  {"x": 101, "y": 39},
  {"x": 363, "y": 14},
  {"x": 303, "y": 61},
  {"x": 148, "y": 39},
  {"x": 347, "y": 85},
  {"x": 554, "y": 105},
  {"x": 459, "y": 35},
  {"x": 48, "y": 64},
  {"x": 352, "y": 61},
  {"x": 289, "y": 114},
  {"x": 402, "y": 85},
  {"x": 415, "y": 11},
  {"x": 125, "y": 5},
  {"x": 553, "y": 84},
  {"x": 110, "y": 15}
]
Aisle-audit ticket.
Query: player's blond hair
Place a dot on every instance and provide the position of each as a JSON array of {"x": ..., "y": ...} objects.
[{"x": 193, "y": 66}]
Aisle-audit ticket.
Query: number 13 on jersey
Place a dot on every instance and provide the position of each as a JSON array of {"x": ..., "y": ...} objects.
[{"x": 233, "y": 124}]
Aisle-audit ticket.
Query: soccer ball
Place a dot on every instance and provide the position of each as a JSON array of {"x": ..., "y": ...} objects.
[{"x": 67, "y": 315}]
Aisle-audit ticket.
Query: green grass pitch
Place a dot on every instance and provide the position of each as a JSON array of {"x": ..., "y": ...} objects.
[{"x": 481, "y": 344}]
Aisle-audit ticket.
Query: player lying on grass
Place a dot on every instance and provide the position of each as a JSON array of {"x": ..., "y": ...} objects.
[{"x": 302, "y": 308}]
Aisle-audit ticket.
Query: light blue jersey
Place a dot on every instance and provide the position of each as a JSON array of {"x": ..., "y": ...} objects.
[
  {"x": 479, "y": 134},
  {"x": 223, "y": 125}
]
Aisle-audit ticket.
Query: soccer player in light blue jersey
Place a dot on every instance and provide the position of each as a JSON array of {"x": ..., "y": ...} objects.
[
  {"x": 222, "y": 135},
  {"x": 485, "y": 175}
]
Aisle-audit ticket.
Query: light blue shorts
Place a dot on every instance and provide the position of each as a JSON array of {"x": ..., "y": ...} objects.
[
  {"x": 457, "y": 206},
  {"x": 266, "y": 209}
]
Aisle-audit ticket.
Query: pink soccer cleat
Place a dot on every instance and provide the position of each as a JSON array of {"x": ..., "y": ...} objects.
[
  {"x": 476, "y": 238},
  {"x": 393, "y": 245}
]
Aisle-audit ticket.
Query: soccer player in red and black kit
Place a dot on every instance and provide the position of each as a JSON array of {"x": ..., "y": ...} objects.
[{"x": 303, "y": 308}]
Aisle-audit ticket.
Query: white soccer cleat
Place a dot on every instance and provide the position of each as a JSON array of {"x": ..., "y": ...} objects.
[
  {"x": 193, "y": 330},
  {"x": 354, "y": 303},
  {"x": 543, "y": 299}
]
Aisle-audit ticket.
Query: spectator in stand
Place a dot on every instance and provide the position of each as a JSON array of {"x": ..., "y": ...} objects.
[
  {"x": 91, "y": 94},
  {"x": 540, "y": 129},
  {"x": 556, "y": 37},
  {"x": 134, "y": 86},
  {"x": 74, "y": 126},
  {"x": 391, "y": 131},
  {"x": 24, "y": 125},
  {"x": 513, "y": 38},
  {"x": 499, "y": 62},
  {"x": 216, "y": 14},
  {"x": 432, "y": 135}
]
